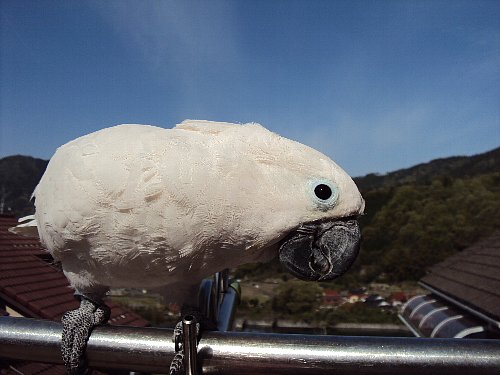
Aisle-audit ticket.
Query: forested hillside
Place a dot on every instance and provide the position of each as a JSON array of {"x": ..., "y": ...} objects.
[
  {"x": 418, "y": 216},
  {"x": 414, "y": 226},
  {"x": 457, "y": 166},
  {"x": 414, "y": 217}
]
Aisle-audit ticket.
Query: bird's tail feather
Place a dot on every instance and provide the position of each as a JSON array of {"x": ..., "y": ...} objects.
[{"x": 27, "y": 227}]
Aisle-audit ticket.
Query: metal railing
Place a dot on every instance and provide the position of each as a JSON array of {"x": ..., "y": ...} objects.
[
  {"x": 221, "y": 352},
  {"x": 151, "y": 350}
]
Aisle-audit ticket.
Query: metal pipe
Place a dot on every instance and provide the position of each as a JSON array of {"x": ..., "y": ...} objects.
[
  {"x": 206, "y": 300},
  {"x": 151, "y": 350},
  {"x": 190, "y": 345},
  {"x": 219, "y": 307},
  {"x": 119, "y": 347},
  {"x": 227, "y": 309},
  {"x": 224, "y": 280}
]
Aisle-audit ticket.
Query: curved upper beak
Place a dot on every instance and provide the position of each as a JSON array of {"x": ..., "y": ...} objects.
[{"x": 321, "y": 250}]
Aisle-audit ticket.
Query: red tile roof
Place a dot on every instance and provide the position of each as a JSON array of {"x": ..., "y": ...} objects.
[
  {"x": 398, "y": 296},
  {"x": 331, "y": 293},
  {"x": 31, "y": 284}
]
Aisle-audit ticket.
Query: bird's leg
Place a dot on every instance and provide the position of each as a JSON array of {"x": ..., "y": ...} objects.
[{"x": 77, "y": 326}]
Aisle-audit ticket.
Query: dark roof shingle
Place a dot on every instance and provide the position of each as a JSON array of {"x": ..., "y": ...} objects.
[{"x": 471, "y": 277}]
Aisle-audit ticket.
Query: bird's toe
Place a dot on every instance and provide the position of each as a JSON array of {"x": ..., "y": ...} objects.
[{"x": 77, "y": 327}]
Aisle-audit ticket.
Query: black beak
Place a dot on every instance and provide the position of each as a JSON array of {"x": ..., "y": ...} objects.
[{"x": 321, "y": 250}]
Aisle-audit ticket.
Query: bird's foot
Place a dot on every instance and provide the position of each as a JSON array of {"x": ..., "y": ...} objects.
[
  {"x": 177, "y": 365},
  {"x": 77, "y": 326}
]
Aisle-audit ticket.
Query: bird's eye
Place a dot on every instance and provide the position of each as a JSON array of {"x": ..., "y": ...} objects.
[{"x": 323, "y": 191}]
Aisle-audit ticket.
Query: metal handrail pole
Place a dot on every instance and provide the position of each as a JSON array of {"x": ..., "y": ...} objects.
[
  {"x": 118, "y": 347},
  {"x": 151, "y": 350},
  {"x": 244, "y": 353},
  {"x": 227, "y": 309},
  {"x": 190, "y": 345},
  {"x": 206, "y": 299}
]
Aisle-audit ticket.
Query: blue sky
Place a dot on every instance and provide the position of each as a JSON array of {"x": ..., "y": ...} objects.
[{"x": 376, "y": 85}]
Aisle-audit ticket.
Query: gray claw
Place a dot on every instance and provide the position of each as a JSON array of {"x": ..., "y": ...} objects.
[
  {"x": 177, "y": 365},
  {"x": 77, "y": 326}
]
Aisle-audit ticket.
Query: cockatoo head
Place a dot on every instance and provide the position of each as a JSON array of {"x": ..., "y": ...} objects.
[
  {"x": 326, "y": 241},
  {"x": 299, "y": 199}
]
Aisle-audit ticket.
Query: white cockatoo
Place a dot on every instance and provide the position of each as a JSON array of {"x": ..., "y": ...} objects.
[{"x": 142, "y": 206}]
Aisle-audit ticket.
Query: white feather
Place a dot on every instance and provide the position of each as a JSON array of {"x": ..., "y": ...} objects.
[{"x": 142, "y": 206}]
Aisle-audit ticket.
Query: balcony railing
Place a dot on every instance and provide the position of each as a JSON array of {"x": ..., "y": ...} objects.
[{"x": 151, "y": 350}]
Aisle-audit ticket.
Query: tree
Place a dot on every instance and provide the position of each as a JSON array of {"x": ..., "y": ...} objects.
[{"x": 297, "y": 297}]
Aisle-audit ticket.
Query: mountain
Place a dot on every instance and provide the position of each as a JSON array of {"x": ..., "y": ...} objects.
[
  {"x": 457, "y": 166},
  {"x": 18, "y": 177},
  {"x": 409, "y": 228},
  {"x": 417, "y": 217}
]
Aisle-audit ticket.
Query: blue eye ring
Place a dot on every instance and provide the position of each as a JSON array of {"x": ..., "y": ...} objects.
[{"x": 324, "y": 193}]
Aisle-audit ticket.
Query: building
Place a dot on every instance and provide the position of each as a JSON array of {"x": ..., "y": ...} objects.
[
  {"x": 464, "y": 295},
  {"x": 331, "y": 298},
  {"x": 397, "y": 299},
  {"x": 32, "y": 286}
]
